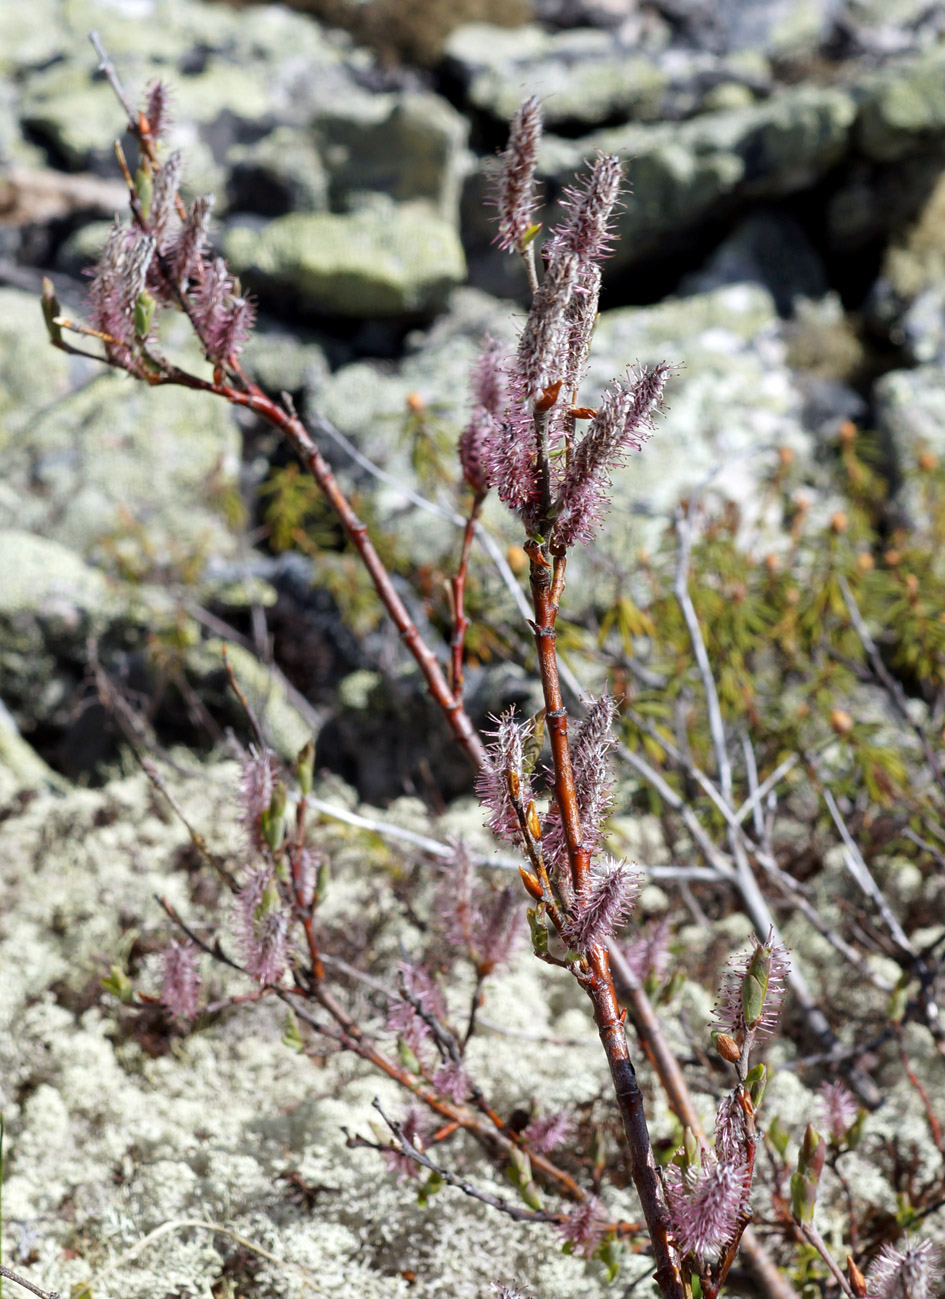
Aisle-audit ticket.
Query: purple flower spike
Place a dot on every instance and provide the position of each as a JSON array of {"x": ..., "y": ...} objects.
[
  {"x": 156, "y": 109},
  {"x": 187, "y": 253},
  {"x": 592, "y": 780},
  {"x": 502, "y": 769},
  {"x": 262, "y": 927},
  {"x": 164, "y": 196},
  {"x": 549, "y": 1132},
  {"x": 180, "y": 989},
  {"x": 117, "y": 282},
  {"x": 397, "y": 1162},
  {"x": 705, "y": 1207},
  {"x": 586, "y": 230},
  {"x": 514, "y": 192},
  {"x": 257, "y": 782},
  {"x": 623, "y": 422},
  {"x": 840, "y": 1109},
  {"x": 603, "y": 906},
  {"x": 905, "y": 1274},
  {"x": 585, "y": 1227}
]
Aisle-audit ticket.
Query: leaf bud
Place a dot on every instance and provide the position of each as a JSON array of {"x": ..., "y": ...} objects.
[
  {"x": 538, "y": 931},
  {"x": 805, "y": 1182},
  {"x": 778, "y": 1135},
  {"x": 273, "y": 819},
  {"x": 305, "y": 767},
  {"x": 755, "y": 986},
  {"x": 119, "y": 985},
  {"x": 144, "y": 190},
  {"x": 533, "y": 821},
  {"x": 51, "y": 311},
  {"x": 291, "y": 1036},
  {"x": 407, "y": 1056},
  {"x": 727, "y": 1047},
  {"x": 691, "y": 1147},
  {"x": 144, "y": 314},
  {"x": 532, "y": 886},
  {"x": 756, "y": 1081}
]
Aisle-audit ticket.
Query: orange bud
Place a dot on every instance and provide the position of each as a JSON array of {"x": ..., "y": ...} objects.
[
  {"x": 517, "y": 560},
  {"x": 416, "y": 403},
  {"x": 857, "y": 1279},
  {"x": 847, "y": 432},
  {"x": 532, "y": 886},
  {"x": 865, "y": 562},
  {"x": 841, "y": 723},
  {"x": 786, "y": 455},
  {"x": 727, "y": 1048},
  {"x": 582, "y": 412},
  {"x": 927, "y": 462},
  {"x": 532, "y": 820},
  {"x": 839, "y": 523},
  {"x": 892, "y": 557},
  {"x": 772, "y": 563},
  {"x": 912, "y": 584},
  {"x": 515, "y": 784},
  {"x": 548, "y": 397}
]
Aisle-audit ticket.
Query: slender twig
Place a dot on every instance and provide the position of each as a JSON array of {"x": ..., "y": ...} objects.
[
  {"x": 15, "y": 1277},
  {"x": 814, "y": 1237},
  {"x": 412, "y": 1151}
]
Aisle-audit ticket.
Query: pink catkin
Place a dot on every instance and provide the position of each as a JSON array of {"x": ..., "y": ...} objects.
[
  {"x": 157, "y": 109},
  {"x": 603, "y": 906},
  {"x": 623, "y": 421},
  {"x": 585, "y": 1227},
  {"x": 257, "y": 782},
  {"x": 164, "y": 196},
  {"x": 117, "y": 282},
  {"x": 397, "y": 1162},
  {"x": 186, "y": 253},
  {"x": 905, "y": 1274},
  {"x": 262, "y": 928},
  {"x": 505, "y": 754},
  {"x": 180, "y": 988},
  {"x": 548, "y": 1132},
  {"x": 589, "y": 206},
  {"x": 514, "y": 188},
  {"x": 593, "y": 781},
  {"x": 705, "y": 1207},
  {"x": 839, "y": 1107}
]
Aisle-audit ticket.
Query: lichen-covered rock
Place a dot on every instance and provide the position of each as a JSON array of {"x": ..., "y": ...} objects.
[
  {"x": 902, "y": 107},
  {"x": 910, "y": 412},
  {"x": 681, "y": 175},
  {"x": 383, "y": 261},
  {"x": 115, "y": 470},
  {"x": 582, "y": 76}
]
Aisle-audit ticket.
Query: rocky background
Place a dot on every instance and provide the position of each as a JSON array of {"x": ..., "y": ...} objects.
[{"x": 784, "y": 242}]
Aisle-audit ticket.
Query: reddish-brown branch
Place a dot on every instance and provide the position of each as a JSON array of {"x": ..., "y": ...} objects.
[
  {"x": 600, "y": 988},
  {"x": 556, "y": 715},
  {"x": 547, "y": 582},
  {"x": 297, "y": 434}
]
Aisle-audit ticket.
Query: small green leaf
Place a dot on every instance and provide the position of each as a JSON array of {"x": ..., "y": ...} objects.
[{"x": 119, "y": 985}]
